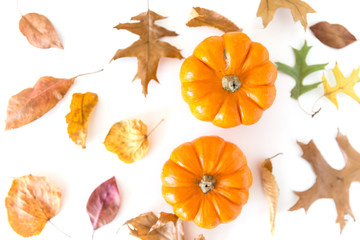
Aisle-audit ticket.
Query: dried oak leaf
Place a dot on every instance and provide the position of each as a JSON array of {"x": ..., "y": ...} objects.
[
  {"x": 205, "y": 17},
  {"x": 39, "y": 31},
  {"x": 299, "y": 9},
  {"x": 344, "y": 85},
  {"x": 332, "y": 35},
  {"x": 148, "y": 49},
  {"x": 330, "y": 183},
  {"x": 271, "y": 190},
  {"x": 82, "y": 106},
  {"x": 300, "y": 71},
  {"x": 31, "y": 202},
  {"x": 104, "y": 203},
  {"x": 148, "y": 226}
]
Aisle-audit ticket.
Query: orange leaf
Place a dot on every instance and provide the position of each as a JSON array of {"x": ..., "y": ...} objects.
[{"x": 31, "y": 202}]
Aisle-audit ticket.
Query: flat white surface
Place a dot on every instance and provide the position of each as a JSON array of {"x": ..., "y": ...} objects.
[{"x": 86, "y": 30}]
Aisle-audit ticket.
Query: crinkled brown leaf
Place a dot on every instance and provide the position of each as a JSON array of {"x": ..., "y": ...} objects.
[
  {"x": 205, "y": 17},
  {"x": 39, "y": 31},
  {"x": 148, "y": 49},
  {"x": 31, "y": 202},
  {"x": 82, "y": 106},
  {"x": 331, "y": 183},
  {"x": 332, "y": 35},
  {"x": 299, "y": 9},
  {"x": 104, "y": 203},
  {"x": 271, "y": 190},
  {"x": 128, "y": 139},
  {"x": 148, "y": 226}
]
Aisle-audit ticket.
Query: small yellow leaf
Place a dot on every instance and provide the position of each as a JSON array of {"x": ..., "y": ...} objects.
[
  {"x": 82, "y": 106},
  {"x": 128, "y": 139},
  {"x": 344, "y": 85}
]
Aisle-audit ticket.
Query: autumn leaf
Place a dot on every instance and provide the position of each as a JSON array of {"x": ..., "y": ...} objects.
[
  {"x": 31, "y": 202},
  {"x": 104, "y": 203},
  {"x": 148, "y": 49},
  {"x": 332, "y": 35},
  {"x": 39, "y": 31},
  {"x": 330, "y": 183},
  {"x": 298, "y": 8},
  {"x": 82, "y": 106},
  {"x": 344, "y": 85},
  {"x": 271, "y": 190},
  {"x": 300, "y": 71},
  {"x": 148, "y": 226},
  {"x": 205, "y": 17},
  {"x": 200, "y": 237}
]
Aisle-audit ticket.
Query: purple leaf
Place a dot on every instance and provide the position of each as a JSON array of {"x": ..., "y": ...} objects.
[{"x": 104, "y": 203}]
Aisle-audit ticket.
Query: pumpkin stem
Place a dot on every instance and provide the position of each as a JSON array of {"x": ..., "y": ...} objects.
[
  {"x": 231, "y": 83},
  {"x": 207, "y": 183}
]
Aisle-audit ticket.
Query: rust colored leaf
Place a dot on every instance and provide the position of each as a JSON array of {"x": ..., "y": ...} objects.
[
  {"x": 331, "y": 183},
  {"x": 39, "y": 31},
  {"x": 298, "y": 8},
  {"x": 148, "y": 226},
  {"x": 82, "y": 106},
  {"x": 271, "y": 190},
  {"x": 104, "y": 203},
  {"x": 332, "y": 35},
  {"x": 31, "y": 202},
  {"x": 205, "y": 17},
  {"x": 148, "y": 49}
]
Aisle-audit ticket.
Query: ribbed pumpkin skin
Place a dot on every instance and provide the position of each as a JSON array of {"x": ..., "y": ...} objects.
[
  {"x": 182, "y": 173},
  {"x": 230, "y": 54}
]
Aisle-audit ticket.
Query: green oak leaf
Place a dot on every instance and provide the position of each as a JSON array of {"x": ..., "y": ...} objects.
[{"x": 300, "y": 71}]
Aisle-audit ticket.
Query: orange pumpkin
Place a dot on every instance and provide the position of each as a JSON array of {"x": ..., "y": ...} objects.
[
  {"x": 228, "y": 80},
  {"x": 206, "y": 181}
]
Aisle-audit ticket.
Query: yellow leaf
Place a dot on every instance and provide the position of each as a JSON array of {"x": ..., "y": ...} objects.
[
  {"x": 344, "y": 85},
  {"x": 31, "y": 202},
  {"x": 82, "y": 106},
  {"x": 299, "y": 9}
]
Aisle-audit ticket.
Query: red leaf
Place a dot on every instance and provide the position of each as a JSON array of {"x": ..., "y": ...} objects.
[{"x": 104, "y": 203}]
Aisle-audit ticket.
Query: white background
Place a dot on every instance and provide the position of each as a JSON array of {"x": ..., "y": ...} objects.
[{"x": 86, "y": 30}]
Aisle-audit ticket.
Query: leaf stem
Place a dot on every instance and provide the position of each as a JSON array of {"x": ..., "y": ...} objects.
[
  {"x": 152, "y": 130},
  {"x": 59, "y": 229},
  {"x": 17, "y": 6},
  {"x": 276, "y": 155},
  {"x": 84, "y": 74},
  {"x": 92, "y": 236},
  {"x": 310, "y": 114}
]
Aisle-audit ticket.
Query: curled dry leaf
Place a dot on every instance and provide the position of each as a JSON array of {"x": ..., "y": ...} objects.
[
  {"x": 31, "y": 202},
  {"x": 332, "y": 35},
  {"x": 39, "y": 31},
  {"x": 271, "y": 190},
  {"x": 104, "y": 203},
  {"x": 205, "y": 17},
  {"x": 149, "y": 226},
  {"x": 82, "y": 106},
  {"x": 331, "y": 183}
]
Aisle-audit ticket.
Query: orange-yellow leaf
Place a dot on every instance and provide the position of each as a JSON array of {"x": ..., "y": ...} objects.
[
  {"x": 344, "y": 85},
  {"x": 82, "y": 106},
  {"x": 31, "y": 202}
]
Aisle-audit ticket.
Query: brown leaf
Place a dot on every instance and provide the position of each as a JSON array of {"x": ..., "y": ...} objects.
[
  {"x": 148, "y": 226},
  {"x": 82, "y": 106},
  {"x": 271, "y": 190},
  {"x": 332, "y": 35},
  {"x": 104, "y": 203},
  {"x": 205, "y": 17},
  {"x": 39, "y": 31},
  {"x": 200, "y": 237},
  {"x": 148, "y": 49},
  {"x": 31, "y": 202},
  {"x": 299, "y": 9},
  {"x": 330, "y": 183}
]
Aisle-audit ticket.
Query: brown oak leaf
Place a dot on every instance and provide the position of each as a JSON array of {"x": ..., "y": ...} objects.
[
  {"x": 299, "y": 9},
  {"x": 148, "y": 49},
  {"x": 39, "y": 31},
  {"x": 330, "y": 183},
  {"x": 205, "y": 17}
]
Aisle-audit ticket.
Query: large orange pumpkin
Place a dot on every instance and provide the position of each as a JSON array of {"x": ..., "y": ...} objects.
[
  {"x": 228, "y": 80},
  {"x": 206, "y": 181}
]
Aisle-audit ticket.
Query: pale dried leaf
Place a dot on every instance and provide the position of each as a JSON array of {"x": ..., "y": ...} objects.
[{"x": 200, "y": 237}]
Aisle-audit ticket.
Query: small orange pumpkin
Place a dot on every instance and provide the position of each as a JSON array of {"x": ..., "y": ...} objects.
[
  {"x": 206, "y": 181},
  {"x": 228, "y": 80}
]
